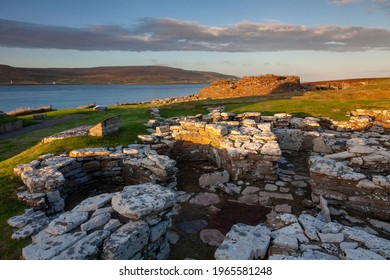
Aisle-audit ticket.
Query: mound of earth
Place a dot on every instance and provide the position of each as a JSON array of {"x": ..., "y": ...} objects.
[{"x": 251, "y": 86}]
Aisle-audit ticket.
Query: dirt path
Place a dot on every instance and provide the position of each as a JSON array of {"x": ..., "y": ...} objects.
[{"x": 42, "y": 125}]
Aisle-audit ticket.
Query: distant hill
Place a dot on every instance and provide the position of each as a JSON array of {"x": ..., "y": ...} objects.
[{"x": 107, "y": 75}]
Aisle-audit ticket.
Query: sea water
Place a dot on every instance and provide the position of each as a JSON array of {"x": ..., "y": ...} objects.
[{"x": 71, "y": 96}]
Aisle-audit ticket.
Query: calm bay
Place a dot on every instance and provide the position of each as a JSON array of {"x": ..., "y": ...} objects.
[{"x": 70, "y": 96}]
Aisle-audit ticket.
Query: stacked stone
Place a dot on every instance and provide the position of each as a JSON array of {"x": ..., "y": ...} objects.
[
  {"x": 74, "y": 132},
  {"x": 356, "y": 179},
  {"x": 236, "y": 143},
  {"x": 52, "y": 178},
  {"x": 288, "y": 237},
  {"x": 131, "y": 224}
]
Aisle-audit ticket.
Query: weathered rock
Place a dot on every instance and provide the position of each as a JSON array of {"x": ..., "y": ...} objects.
[
  {"x": 85, "y": 249},
  {"x": 112, "y": 225},
  {"x": 277, "y": 221},
  {"x": 205, "y": 199},
  {"x": 51, "y": 246},
  {"x": 212, "y": 237},
  {"x": 244, "y": 242},
  {"x": 46, "y": 178},
  {"x": 212, "y": 179},
  {"x": 126, "y": 242},
  {"x": 308, "y": 223},
  {"x": 158, "y": 230},
  {"x": 95, "y": 222},
  {"x": 331, "y": 237},
  {"x": 138, "y": 201},
  {"x": 317, "y": 255},
  {"x": 94, "y": 203},
  {"x": 66, "y": 222},
  {"x": 362, "y": 254},
  {"x": 348, "y": 245},
  {"x": 287, "y": 241},
  {"x": 380, "y": 225}
]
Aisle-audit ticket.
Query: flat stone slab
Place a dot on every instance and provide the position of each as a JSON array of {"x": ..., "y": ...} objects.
[
  {"x": 86, "y": 248},
  {"x": 212, "y": 179},
  {"x": 244, "y": 242},
  {"x": 51, "y": 246},
  {"x": 308, "y": 223},
  {"x": 362, "y": 254},
  {"x": 212, "y": 237},
  {"x": 286, "y": 241},
  {"x": 66, "y": 222},
  {"x": 317, "y": 255},
  {"x": 95, "y": 222},
  {"x": 205, "y": 199},
  {"x": 126, "y": 242},
  {"x": 94, "y": 203},
  {"x": 136, "y": 202},
  {"x": 286, "y": 196}
]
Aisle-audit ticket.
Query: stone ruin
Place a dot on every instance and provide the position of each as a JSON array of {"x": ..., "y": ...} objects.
[
  {"x": 347, "y": 173},
  {"x": 104, "y": 128}
]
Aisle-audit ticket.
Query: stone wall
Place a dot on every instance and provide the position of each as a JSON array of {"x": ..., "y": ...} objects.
[
  {"x": 130, "y": 224},
  {"x": 51, "y": 179},
  {"x": 240, "y": 144},
  {"x": 10, "y": 126},
  {"x": 106, "y": 127},
  {"x": 251, "y": 86}
]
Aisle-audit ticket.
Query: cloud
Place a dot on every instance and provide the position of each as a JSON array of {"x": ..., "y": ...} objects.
[
  {"x": 342, "y": 2},
  {"x": 165, "y": 34},
  {"x": 383, "y": 5}
]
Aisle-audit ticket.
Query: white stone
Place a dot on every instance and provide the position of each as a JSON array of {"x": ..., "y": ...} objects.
[
  {"x": 85, "y": 249},
  {"x": 244, "y": 242},
  {"x": 205, "y": 199},
  {"x": 138, "y": 201},
  {"x": 94, "y": 203},
  {"x": 286, "y": 241},
  {"x": 331, "y": 228},
  {"x": 112, "y": 225},
  {"x": 317, "y": 255},
  {"x": 341, "y": 155},
  {"x": 331, "y": 237},
  {"x": 250, "y": 190},
  {"x": 211, "y": 237},
  {"x": 271, "y": 187},
  {"x": 380, "y": 225},
  {"x": 95, "y": 222},
  {"x": 212, "y": 179},
  {"x": 126, "y": 242},
  {"x": 66, "y": 222},
  {"x": 348, "y": 245},
  {"x": 271, "y": 149},
  {"x": 308, "y": 223},
  {"x": 361, "y": 150},
  {"x": 51, "y": 246},
  {"x": 102, "y": 211},
  {"x": 292, "y": 229},
  {"x": 362, "y": 254},
  {"x": 158, "y": 230}
]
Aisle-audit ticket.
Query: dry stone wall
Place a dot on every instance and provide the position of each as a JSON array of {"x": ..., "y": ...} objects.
[{"x": 51, "y": 179}]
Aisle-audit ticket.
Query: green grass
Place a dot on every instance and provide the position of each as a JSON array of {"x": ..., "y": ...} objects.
[
  {"x": 7, "y": 118},
  {"x": 25, "y": 148}
]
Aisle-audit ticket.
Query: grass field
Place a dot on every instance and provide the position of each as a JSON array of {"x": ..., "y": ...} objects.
[{"x": 27, "y": 147}]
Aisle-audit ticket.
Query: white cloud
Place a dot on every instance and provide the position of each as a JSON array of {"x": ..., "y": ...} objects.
[{"x": 165, "y": 34}]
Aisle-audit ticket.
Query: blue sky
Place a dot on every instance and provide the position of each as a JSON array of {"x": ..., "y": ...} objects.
[{"x": 316, "y": 39}]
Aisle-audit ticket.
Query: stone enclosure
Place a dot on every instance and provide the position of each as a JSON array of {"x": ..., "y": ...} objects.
[{"x": 346, "y": 172}]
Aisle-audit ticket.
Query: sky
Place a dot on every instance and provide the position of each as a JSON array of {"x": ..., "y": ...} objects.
[{"x": 314, "y": 39}]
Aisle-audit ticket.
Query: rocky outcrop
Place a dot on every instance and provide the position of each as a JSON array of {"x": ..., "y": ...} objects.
[{"x": 251, "y": 86}]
